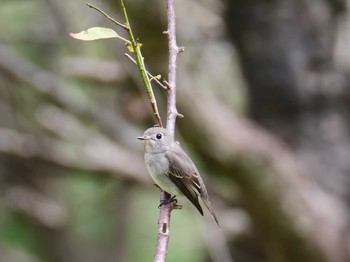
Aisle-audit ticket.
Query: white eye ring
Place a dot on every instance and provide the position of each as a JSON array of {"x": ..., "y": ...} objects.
[{"x": 159, "y": 136}]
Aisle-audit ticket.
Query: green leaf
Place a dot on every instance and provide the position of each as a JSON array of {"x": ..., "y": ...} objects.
[{"x": 95, "y": 33}]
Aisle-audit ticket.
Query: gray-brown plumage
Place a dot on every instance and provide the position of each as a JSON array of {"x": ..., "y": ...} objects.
[{"x": 172, "y": 170}]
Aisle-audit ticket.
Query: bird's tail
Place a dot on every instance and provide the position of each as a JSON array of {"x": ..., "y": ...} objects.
[{"x": 210, "y": 208}]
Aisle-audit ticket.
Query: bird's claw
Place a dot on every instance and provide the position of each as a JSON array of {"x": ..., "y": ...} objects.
[{"x": 172, "y": 201}]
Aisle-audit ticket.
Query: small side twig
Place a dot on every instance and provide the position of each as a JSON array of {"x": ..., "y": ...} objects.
[
  {"x": 107, "y": 16},
  {"x": 148, "y": 73}
]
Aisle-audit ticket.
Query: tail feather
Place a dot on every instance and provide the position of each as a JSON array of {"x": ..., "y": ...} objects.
[{"x": 210, "y": 208}]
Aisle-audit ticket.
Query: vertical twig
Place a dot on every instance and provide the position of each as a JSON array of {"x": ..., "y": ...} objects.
[
  {"x": 173, "y": 51},
  {"x": 163, "y": 229},
  {"x": 165, "y": 210}
]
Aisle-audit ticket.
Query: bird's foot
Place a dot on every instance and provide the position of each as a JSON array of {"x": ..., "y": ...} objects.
[
  {"x": 174, "y": 204},
  {"x": 172, "y": 201}
]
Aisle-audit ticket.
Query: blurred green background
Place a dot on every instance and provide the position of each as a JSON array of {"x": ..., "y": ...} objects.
[{"x": 264, "y": 89}]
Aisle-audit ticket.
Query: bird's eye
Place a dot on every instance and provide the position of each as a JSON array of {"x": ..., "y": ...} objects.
[{"x": 159, "y": 136}]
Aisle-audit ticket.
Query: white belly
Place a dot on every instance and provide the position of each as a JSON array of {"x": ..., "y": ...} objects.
[{"x": 158, "y": 170}]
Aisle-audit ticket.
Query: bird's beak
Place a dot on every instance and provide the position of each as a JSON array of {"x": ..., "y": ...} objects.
[{"x": 143, "y": 138}]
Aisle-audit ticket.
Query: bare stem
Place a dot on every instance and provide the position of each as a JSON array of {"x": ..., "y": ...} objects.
[
  {"x": 165, "y": 210},
  {"x": 173, "y": 51},
  {"x": 163, "y": 229}
]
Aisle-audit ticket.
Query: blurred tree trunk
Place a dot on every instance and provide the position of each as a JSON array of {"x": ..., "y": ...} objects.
[{"x": 286, "y": 51}]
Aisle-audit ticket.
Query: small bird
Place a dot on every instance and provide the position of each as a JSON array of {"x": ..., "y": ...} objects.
[{"x": 171, "y": 168}]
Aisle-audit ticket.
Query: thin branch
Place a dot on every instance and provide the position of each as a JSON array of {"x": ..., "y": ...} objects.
[
  {"x": 173, "y": 51},
  {"x": 140, "y": 64},
  {"x": 139, "y": 58},
  {"x": 165, "y": 210},
  {"x": 161, "y": 251}
]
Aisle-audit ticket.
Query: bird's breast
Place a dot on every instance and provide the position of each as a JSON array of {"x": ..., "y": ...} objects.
[{"x": 158, "y": 167}]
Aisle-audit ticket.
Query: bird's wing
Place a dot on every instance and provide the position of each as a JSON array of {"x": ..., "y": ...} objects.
[{"x": 184, "y": 175}]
